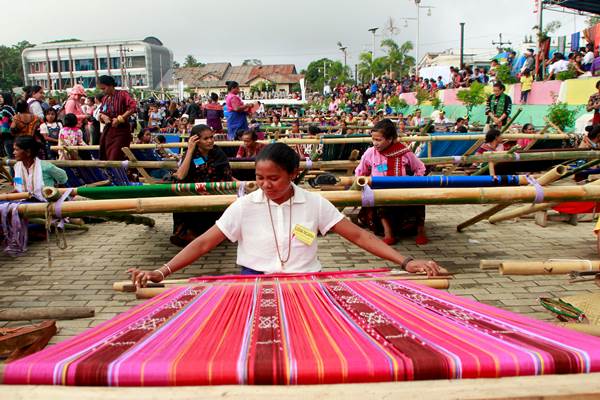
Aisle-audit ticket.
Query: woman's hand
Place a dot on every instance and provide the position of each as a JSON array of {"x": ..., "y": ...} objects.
[
  {"x": 140, "y": 278},
  {"x": 192, "y": 143},
  {"x": 429, "y": 267}
]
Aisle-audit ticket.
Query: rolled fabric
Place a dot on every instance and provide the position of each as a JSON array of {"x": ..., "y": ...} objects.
[{"x": 399, "y": 182}]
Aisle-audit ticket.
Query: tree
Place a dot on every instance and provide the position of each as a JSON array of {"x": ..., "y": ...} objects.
[
  {"x": 592, "y": 20},
  {"x": 11, "y": 65},
  {"x": 398, "y": 61},
  {"x": 191, "y": 61},
  {"x": 252, "y": 61},
  {"x": 367, "y": 67},
  {"x": 473, "y": 96},
  {"x": 176, "y": 65},
  {"x": 324, "y": 71},
  {"x": 544, "y": 34}
]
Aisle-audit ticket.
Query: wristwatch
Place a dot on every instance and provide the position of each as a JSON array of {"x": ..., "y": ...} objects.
[{"x": 406, "y": 261}]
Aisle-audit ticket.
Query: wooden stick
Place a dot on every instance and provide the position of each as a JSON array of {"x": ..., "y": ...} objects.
[
  {"x": 131, "y": 157},
  {"x": 590, "y": 329},
  {"x": 14, "y": 196},
  {"x": 127, "y": 286},
  {"x": 529, "y": 209},
  {"x": 551, "y": 176},
  {"x": 549, "y": 267},
  {"x": 61, "y": 313},
  {"x": 345, "y": 198},
  {"x": 490, "y": 264},
  {"x": 147, "y": 293}
]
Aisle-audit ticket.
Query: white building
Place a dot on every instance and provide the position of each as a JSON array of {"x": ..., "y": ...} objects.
[
  {"x": 145, "y": 64},
  {"x": 451, "y": 58}
]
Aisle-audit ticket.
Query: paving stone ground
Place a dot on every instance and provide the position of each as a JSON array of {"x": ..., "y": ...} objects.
[{"x": 82, "y": 275}]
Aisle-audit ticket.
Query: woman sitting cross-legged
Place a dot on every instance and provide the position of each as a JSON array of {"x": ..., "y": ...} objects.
[{"x": 276, "y": 227}]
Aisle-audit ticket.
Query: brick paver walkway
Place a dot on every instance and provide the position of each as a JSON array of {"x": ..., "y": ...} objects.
[{"x": 83, "y": 274}]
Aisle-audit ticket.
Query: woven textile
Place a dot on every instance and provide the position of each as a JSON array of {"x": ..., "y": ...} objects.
[{"x": 307, "y": 330}]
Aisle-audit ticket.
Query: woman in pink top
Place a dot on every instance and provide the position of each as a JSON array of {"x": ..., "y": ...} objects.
[
  {"x": 73, "y": 104},
  {"x": 389, "y": 157}
]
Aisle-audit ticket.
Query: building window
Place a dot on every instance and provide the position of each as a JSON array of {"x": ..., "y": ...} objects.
[
  {"x": 64, "y": 65},
  {"x": 84, "y": 65}
]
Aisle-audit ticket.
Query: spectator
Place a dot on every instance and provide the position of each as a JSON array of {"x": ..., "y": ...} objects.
[
  {"x": 594, "y": 105},
  {"x": 558, "y": 66},
  {"x": 588, "y": 59},
  {"x": 526, "y": 85},
  {"x": 214, "y": 113},
  {"x": 498, "y": 107}
]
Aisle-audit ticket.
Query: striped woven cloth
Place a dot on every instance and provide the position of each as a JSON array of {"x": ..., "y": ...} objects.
[{"x": 307, "y": 331}]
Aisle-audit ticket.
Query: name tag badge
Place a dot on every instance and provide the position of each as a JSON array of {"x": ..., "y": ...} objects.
[
  {"x": 382, "y": 168},
  {"x": 199, "y": 161},
  {"x": 304, "y": 235}
]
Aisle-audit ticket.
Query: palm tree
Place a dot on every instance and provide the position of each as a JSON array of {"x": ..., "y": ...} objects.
[
  {"x": 365, "y": 66},
  {"x": 398, "y": 60}
]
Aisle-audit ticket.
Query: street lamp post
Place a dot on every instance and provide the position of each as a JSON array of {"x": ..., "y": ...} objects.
[
  {"x": 419, "y": 6},
  {"x": 373, "y": 30}
]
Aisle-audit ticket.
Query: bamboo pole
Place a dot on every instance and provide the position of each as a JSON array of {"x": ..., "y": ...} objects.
[
  {"x": 551, "y": 176},
  {"x": 346, "y": 198},
  {"x": 28, "y": 314},
  {"x": 346, "y": 140},
  {"x": 15, "y": 196},
  {"x": 344, "y": 164},
  {"x": 147, "y": 293},
  {"x": 530, "y": 208},
  {"x": 549, "y": 267},
  {"x": 490, "y": 264}
]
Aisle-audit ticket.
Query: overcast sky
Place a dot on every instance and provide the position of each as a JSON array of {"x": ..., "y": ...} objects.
[{"x": 274, "y": 31}]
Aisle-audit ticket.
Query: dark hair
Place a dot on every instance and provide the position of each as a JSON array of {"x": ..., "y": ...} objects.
[
  {"x": 387, "y": 128},
  {"x": 161, "y": 139},
  {"x": 598, "y": 85},
  {"x": 527, "y": 126},
  {"x": 107, "y": 80},
  {"x": 99, "y": 96},
  {"x": 252, "y": 133},
  {"x": 28, "y": 143},
  {"x": 593, "y": 131},
  {"x": 231, "y": 85},
  {"x": 48, "y": 111},
  {"x": 459, "y": 120},
  {"x": 70, "y": 120},
  {"x": 280, "y": 154},
  {"x": 314, "y": 130},
  {"x": 30, "y": 90},
  {"x": 8, "y": 98},
  {"x": 198, "y": 129},
  {"x": 492, "y": 135},
  {"x": 22, "y": 107},
  {"x": 500, "y": 85},
  {"x": 214, "y": 97}
]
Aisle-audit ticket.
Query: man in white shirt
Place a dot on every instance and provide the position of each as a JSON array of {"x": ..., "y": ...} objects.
[{"x": 560, "y": 65}]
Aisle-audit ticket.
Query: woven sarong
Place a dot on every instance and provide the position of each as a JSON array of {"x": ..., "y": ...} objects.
[{"x": 307, "y": 330}]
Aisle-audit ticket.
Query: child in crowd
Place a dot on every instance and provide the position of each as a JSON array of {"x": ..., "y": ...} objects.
[
  {"x": 50, "y": 131},
  {"x": 526, "y": 84},
  {"x": 70, "y": 135}
]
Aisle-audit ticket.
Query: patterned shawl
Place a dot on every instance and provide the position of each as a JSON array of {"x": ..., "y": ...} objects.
[{"x": 394, "y": 155}]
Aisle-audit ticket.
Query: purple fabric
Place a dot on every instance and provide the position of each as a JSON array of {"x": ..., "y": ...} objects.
[
  {"x": 539, "y": 190},
  {"x": 517, "y": 157},
  {"x": 309, "y": 163},
  {"x": 368, "y": 197},
  {"x": 14, "y": 229},
  {"x": 59, "y": 220}
]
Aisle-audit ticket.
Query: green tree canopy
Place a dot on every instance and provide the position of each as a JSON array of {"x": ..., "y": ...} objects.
[
  {"x": 252, "y": 61},
  {"x": 398, "y": 60},
  {"x": 324, "y": 71},
  {"x": 191, "y": 61},
  {"x": 11, "y": 66}
]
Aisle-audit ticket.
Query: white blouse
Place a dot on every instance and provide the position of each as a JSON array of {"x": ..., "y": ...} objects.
[{"x": 247, "y": 222}]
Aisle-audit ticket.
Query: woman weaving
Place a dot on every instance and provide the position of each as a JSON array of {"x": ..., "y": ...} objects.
[{"x": 276, "y": 227}]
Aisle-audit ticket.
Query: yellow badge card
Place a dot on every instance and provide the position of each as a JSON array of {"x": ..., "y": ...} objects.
[{"x": 304, "y": 235}]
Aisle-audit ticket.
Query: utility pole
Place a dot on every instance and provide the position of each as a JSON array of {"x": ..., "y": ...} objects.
[
  {"x": 501, "y": 43},
  {"x": 462, "y": 45}
]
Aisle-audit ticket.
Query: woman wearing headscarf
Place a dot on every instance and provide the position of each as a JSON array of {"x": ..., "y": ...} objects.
[
  {"x": 237, "y": 118},
  {"x": 116, "y": 108},
  {"x": 73, "y": 105}
]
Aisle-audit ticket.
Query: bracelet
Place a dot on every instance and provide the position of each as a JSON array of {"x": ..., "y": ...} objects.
[
  {"x": 168, "y": 267},
  {"x": 406, "y": 261},
  {"x": 161, "y": 274}
]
